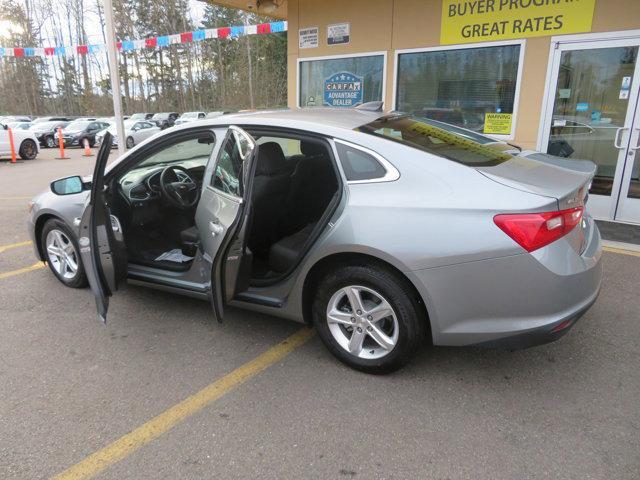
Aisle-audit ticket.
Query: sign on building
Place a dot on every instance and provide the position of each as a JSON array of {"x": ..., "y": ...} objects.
[
  {"x": 343, "y": 89},
  {"x": 467, "y": 21},
  {"x": 308, "y": 37},
  {"x": 338, "y": 33}
]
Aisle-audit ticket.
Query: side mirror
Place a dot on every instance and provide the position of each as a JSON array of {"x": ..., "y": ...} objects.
[{"x": 67, "y": 186}]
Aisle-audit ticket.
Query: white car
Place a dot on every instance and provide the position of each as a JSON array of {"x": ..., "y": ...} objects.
[
  {"x": 24, "y": 141},
  {"x": 187, "y": 117},
  {"x": 134, "y": 132}
]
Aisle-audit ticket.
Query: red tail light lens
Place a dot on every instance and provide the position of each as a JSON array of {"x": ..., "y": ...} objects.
[{"x": 535, "y": 230}]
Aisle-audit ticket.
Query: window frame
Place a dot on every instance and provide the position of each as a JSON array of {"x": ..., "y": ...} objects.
[
  {"x": 516, "y": 99},
  {"x": 300, "y": 60}
]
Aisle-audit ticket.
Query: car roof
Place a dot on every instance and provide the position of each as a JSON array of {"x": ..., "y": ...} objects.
[{"x": 347, "y": 118}]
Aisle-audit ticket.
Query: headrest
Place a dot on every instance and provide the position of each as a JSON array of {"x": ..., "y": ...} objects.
[
  {"x": 311, "y": 149},
  {"x": 270, "y": 159}
]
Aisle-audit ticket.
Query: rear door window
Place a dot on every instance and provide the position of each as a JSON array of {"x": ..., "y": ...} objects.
[{"x": 359, "y": 165}]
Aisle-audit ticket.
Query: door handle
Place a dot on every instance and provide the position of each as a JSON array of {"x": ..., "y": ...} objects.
[
  {"x": 618, "y": 137},
  {"x": 216, "y": 228},
  {"x": 637, "y": 145}
]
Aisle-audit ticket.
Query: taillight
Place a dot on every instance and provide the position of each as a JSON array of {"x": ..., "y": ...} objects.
[{"x": 535, "y": 230}]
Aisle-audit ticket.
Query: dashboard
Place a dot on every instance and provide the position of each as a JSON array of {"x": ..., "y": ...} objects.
[{"x": 142, "y": 185}]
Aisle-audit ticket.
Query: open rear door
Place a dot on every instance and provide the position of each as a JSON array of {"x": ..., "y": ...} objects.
[
  {"x": 101, "y": 241},
  {"x": 223, "y": 212}
]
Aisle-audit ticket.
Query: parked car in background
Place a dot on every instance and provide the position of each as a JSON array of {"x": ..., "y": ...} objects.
[
  {"x": 380, "y": 229},
  {"x": 215, "y": 114},
  {"x": 19, "y": 125},
  {"x": 165, "y": 120},
  {"x": 46, "y": 132},
  {"x": 15, "y": 118},
  {"x": 141, "y": 116},
  {"x": 85, "y": 119},
  {"x": 51, "y": 119},
  {"x": 77, "y": 131},
  {"x": 187, "y": 117},
  {"x": 134, "y": 132},
  {"x": 24, "y": 141}
]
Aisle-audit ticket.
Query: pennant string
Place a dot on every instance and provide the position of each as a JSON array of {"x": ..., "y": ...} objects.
[{"x": 150, "y": 42}]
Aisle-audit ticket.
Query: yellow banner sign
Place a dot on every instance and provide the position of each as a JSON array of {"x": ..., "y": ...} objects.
[
  {"x": 467, "y": 21},
  {"x": 497, "y": 123}
]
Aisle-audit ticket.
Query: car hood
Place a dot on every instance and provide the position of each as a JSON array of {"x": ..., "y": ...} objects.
[{"x": 565, "y": 180}]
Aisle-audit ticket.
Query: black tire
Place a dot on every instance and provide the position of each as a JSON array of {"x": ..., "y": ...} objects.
[
  {"x": 28, "y": 149},
  {"x": 80, "y": 278},
  {"x": 397, "y": 292},
  {"x": 129, "y": 142},
  {"x": 49, "y": 142}
]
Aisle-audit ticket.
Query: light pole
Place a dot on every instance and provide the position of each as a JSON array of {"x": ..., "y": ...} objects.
[{"x": 114, "y": 73}]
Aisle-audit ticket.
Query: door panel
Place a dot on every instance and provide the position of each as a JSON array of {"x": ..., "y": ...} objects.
[
  {"x": 223, "y": 211},
  {"x": 101, "y": 241}
]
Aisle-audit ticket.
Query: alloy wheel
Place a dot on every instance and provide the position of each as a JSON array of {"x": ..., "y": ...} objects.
[
  {"x": 62, "y": 254},
  {"x": 50, "y": 142},
  {"x": 362, "y": 322}
]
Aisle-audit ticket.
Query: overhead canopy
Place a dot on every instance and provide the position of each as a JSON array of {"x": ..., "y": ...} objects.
[{"x": 271, "y": 8}]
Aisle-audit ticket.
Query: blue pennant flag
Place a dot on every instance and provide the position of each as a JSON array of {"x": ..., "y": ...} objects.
[{"x": 277, "y": 27}]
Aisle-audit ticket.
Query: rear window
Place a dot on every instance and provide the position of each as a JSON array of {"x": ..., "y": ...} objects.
[{"x": 416, "y": 133}]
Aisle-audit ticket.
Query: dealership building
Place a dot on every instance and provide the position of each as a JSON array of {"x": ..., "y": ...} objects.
[{"x": 560, "y": 76}]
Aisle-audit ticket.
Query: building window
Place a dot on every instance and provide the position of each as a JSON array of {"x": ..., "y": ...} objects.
[
  {"x": 474, "y": 88},
  {"x": 341, "y": 81}
]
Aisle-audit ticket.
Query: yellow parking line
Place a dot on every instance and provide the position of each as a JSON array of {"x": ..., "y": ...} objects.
[
  {"x": 621, "y": 251},
  {"x": 132, "y": 441},
  {"x": 35, "y": 266},
  {"x": 4, "y": 248}
]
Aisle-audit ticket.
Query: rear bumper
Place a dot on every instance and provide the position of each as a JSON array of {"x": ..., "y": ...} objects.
[
  {"x": 512, "y": 302},
  {"x": 539, "y": 336}
]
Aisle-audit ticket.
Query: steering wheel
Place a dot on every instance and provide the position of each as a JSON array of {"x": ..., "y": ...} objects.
[{"x": 178, "y": 190}]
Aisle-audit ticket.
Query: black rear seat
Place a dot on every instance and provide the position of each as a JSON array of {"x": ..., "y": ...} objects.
[{"x": 284, "y": 254}]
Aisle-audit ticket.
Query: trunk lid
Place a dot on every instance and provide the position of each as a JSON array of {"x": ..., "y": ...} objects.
[{"x": 566, "y": 181}]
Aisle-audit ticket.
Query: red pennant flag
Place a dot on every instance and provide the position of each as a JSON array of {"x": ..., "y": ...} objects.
[
  {"x": 49, "y": 51},
  {"x": 82, "y": 49},
  {"x": 119, "y": 45},
  {"x": 151, "y": 42},
  {"x": 224, "y": 32},
  {"x": 264, "y": 28},
  {"x": 18, "y": 52},
  {"x": 186, "y": 37}
]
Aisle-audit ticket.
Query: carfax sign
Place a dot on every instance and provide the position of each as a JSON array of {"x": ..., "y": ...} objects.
[
  {"x": 343, "y": 89},
  {"x": 466, "y": 21}
]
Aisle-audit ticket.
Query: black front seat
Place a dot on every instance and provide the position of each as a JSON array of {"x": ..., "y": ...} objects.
[{"x": 270, "y": 186}]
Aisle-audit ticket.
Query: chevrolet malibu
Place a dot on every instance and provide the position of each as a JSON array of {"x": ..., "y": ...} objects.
[{"x": 381, "y": 230}]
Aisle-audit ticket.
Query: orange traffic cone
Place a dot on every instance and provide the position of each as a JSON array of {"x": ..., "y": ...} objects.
[
  {"x": 87, "y": 149},
  {"x": 61, "y": 144},
  {"x": 12, "y": 147}
]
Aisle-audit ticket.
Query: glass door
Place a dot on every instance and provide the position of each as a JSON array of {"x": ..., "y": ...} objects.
[
  {"x": 629, "y": 204},
  {"x": 591, "y": 116}
]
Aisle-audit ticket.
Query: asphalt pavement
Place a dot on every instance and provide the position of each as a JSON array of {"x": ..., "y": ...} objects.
[{"x": 164, "y": 392}]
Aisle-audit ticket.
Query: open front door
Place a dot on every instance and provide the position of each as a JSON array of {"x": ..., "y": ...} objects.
[
  {"x": 223, "y": 212},
  {"x": 101, "y": 241}
]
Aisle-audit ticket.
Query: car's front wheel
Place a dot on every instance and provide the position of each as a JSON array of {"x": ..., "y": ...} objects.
[
  {"x": 368, "y": 317},
  {"x": 61, "y": 251},
  {"x": 130, "y": 142},
  {"x": 28, "y": 150},
  {"x": 49, "y": 142}
]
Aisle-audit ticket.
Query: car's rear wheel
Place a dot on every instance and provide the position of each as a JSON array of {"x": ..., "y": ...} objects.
[
  {"x": 61, "y": 251},
  {"x": 368, "y": 318},
  {"x": 28, "y": 149},
  {"x": 49, "y": 142},
  {"x": 130, "y": 142}
]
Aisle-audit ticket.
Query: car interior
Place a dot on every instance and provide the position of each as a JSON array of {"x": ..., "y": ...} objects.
[{"x": 295, "y": 186}]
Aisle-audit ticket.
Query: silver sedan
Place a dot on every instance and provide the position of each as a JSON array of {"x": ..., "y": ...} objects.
[{"x": 384, "y": 231}]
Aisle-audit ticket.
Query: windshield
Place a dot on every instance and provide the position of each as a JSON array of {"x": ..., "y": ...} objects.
[
  {"x": 127, "y": 126},
  {"x": 160, "y": 116},
  {"x": 190, "y": 115},
  {"x": 415, "y": 132},
  {"x": 138, "y": 116},
  {"x": 77, "y": 125}
]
